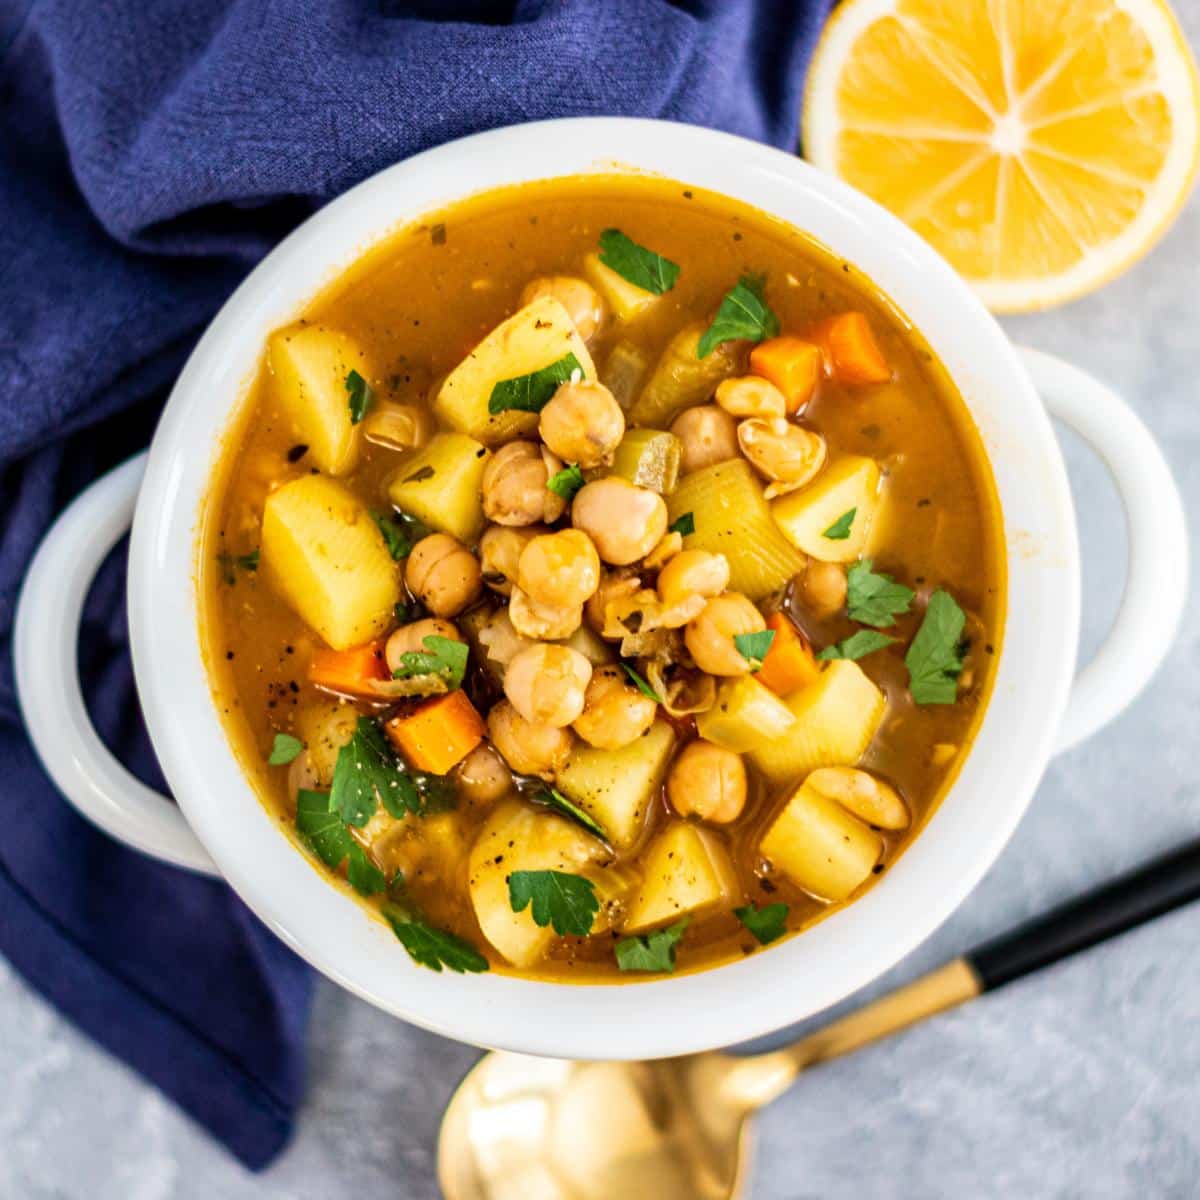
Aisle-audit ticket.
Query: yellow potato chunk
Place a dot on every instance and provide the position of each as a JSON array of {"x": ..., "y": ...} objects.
[
  {"x": 851, "y": 483},
  {"x": 441, "y": 485},
  {"x": 518, "y": 837},
  {"x": 732, "y": 518},
  {"x": 836, "y": 718},
  {"x": 309, "y": 365},
  {"x": 686, "y": 870},
  {"x": 746, "y": 714},
  {"x": 819, "y": 846},
  {"x": 627, "y": 300},
  {"x": 617, "y": 787},
  {"x": 324, "y": 555},
  {"x": 537, "y": 335}
]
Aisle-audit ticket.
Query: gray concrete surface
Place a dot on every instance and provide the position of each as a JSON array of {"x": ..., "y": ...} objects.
[{"x": 1081, "y": 1082}]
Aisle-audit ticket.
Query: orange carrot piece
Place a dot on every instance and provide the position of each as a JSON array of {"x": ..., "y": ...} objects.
[
  {"x": 437, "y": 734},
  {"x": 792, "y": 364},
  {"x": 789, "y": 663},
  {"x": 850, "y": 351},
  {"x": 349, "y": 672}
]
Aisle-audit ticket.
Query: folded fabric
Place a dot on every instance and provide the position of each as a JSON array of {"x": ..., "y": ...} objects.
[{"x": 150, "y": 154}]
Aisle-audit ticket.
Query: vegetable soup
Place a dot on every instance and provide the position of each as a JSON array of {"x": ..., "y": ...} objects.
[{"x": 602, "y": 580}]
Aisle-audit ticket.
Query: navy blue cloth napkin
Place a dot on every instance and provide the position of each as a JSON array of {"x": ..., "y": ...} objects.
[{"x": 150, "y": 153}]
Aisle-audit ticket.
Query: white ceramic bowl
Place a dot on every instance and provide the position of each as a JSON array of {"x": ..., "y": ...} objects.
[{"x": 228, "y": 830}]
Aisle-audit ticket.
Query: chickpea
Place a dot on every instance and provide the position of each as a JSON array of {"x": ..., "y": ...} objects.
[
  {"x": 614, "y": 712},
  {"x": 823, "y": 588},
  {"x": 514, "y": 485},
  {"x": 500, "y": 642},
  {"x": 542, "y": 622},
  {"x": 582, "y": 423},
  {"x": 499, "y": 552},
  {"x": 546, "y": 684},
  {"x": 693, "y": 573},
  {"x": 859, "y": 792},
  {"x": 751, "y": 396},
  {"x": 583, "y": 303},
  {"x": 709, "y": 637},
  {"x": 670, "y": 545},
  {"x": 709, "y": 782},
  {"x": 614, "y": 586},
  {"x": 527, "y": 748},
  {"x": 410, "y": 639},
  {"x": 786, "y": 454},
  {"x": 560, "y": 569},
  {"x": 443, "y": 574},
  {"x": 483, "y": 776},
  {"x": 398, "y": 426},
  {"x": 625, "y": 521},
  {"x": 708, "y": 435}
]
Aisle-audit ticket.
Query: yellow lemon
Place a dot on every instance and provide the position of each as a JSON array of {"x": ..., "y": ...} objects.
[{"x": 1042, "y": 146}]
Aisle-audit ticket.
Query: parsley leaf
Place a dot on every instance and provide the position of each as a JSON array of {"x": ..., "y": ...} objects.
[
  {"x": 934, "y": 659},
  {"x": 753, "y": 647},
  {"x": 568, "y": 902},
  {"x": 366, "y": 772},
  {"x": 641, "y": 685},
  {"x": 441, "y": 656},
  {"x": 361, "y": 396},
  {"x": 433, "y": 948},
  {"x": 284, "y": 749},
  {"x": 684, "y": 524},
  {"x": 639, "y": 266},
  {"x": 743, "y": 314},
  {"x": 244, "y": 562},
  {"x": 857, "y": 645},
  {"x": 532, "y": 392},
  {"x": 364, "y": 876},
  {"x": 767, "y": 924},
  {"x": 651, "y": 951},
  {"x": 322, "y": 828},
  {"x": 553, "y": 798},
  {"x": 839, "y": 531},
  {"x": 395, "y": 536},
  {"x": 567, "y": 482},
  {"x": 875, "y": 599}
]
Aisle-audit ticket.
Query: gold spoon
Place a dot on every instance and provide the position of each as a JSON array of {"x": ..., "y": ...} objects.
[{"x": 524, "y": 1128}]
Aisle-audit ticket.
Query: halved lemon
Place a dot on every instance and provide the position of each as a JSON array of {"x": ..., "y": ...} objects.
[{"x": 1041, "y": 145}]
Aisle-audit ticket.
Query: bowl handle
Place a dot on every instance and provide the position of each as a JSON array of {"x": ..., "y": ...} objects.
[
  {"x": 45, "y": 641},
  {"x": 1157, "y": 576}
]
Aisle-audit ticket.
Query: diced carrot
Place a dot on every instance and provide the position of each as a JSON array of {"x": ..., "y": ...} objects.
[
  {"x": 349, "y": 672},
  {"x": 850, "y": 351},
  {"x": 438, "y": 734},
  {"x": 792, "y": 364},
  {"x": 789, "y": 663}
]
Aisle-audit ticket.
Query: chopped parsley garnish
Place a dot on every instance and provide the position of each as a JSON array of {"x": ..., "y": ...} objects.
[
  {"x": 532, "y": 392},
  {"x": 684, "y": 524},
  {"x": 441, "y": 656},
  {"x": 766, "y": 924},
  {"x": 743, "y": 315},
  {"x": 641, "y": 685},
  {"x": 361, "y": 395},
  {"x": 839, "y": 531},
  {"x": 553, "y": 798},
  {"x": 935, "y": 658},
  {"x": 651, "y": 951},
  {"x": 326, "y": 833},
  {"x": 364, "y": 876},
  {"x": 367, "y": 772},
  {"x": 232, "y": 563},
  {"x": 567, "y": 482},
  {"x": 753, "y": 647},
  {"x": 857, "y": 645},
  {"x": 406, "y": 612},
  {"x": 567, "y": 902},
  {"x": 637, "y": 265},
  {"x": 284, "y": 749},
  {"x": 875, "y": 599},
  {"x": 433, "y": 948},
  {"x": 395, "y": 536}
]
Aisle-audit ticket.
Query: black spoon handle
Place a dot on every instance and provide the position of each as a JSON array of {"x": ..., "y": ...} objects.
[{"x": 1151, "y": 890}]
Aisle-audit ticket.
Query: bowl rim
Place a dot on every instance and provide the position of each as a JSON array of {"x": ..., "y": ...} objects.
[{"x": 680, "y": 1014}]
